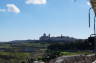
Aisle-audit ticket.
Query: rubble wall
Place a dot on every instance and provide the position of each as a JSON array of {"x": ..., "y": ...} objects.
[{"x": 75, "y": 59}]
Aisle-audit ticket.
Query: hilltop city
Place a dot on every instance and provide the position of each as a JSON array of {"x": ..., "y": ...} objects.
[{"x": 48, "y": 37}]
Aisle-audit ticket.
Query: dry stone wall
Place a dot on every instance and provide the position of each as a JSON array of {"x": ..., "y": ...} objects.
[{"x": 75, "y": 59}]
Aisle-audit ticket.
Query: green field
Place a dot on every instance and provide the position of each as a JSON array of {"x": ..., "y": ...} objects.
[
  {"x": 26, "y": 52},
  {"x": 75, "y": 53}
]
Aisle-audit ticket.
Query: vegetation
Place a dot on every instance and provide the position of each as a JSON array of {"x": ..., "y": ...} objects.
[
  {"x": 74, "y": 53},
  {"x": 28, "y": 51}
]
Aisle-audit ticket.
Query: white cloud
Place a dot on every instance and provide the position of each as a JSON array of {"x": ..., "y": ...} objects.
[
  {"x": 2, "y": 10},
  {"x": 39, "y": 2},
  {"x": 13, "y": 8}
]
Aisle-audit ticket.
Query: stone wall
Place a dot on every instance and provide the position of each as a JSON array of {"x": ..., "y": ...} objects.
[{"x": 75, "y": 59}]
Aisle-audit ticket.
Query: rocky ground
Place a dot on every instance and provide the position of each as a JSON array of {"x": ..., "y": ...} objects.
[{"x": 75, "y": 59}]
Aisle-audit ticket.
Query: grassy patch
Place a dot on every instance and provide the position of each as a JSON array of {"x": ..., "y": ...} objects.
[{"x": 75, "y": 53}]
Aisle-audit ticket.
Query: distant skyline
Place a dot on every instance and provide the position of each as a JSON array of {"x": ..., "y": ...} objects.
[{"x": 29, "y": 19}]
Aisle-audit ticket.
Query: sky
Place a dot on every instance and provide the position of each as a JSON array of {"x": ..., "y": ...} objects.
[{"x": 29, "y": 19}]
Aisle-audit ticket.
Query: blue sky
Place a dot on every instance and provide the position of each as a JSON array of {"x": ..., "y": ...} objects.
[{"x": 31, "y": 20}]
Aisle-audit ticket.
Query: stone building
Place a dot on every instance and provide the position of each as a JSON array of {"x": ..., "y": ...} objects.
[{"x": 57, "y": 38}]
